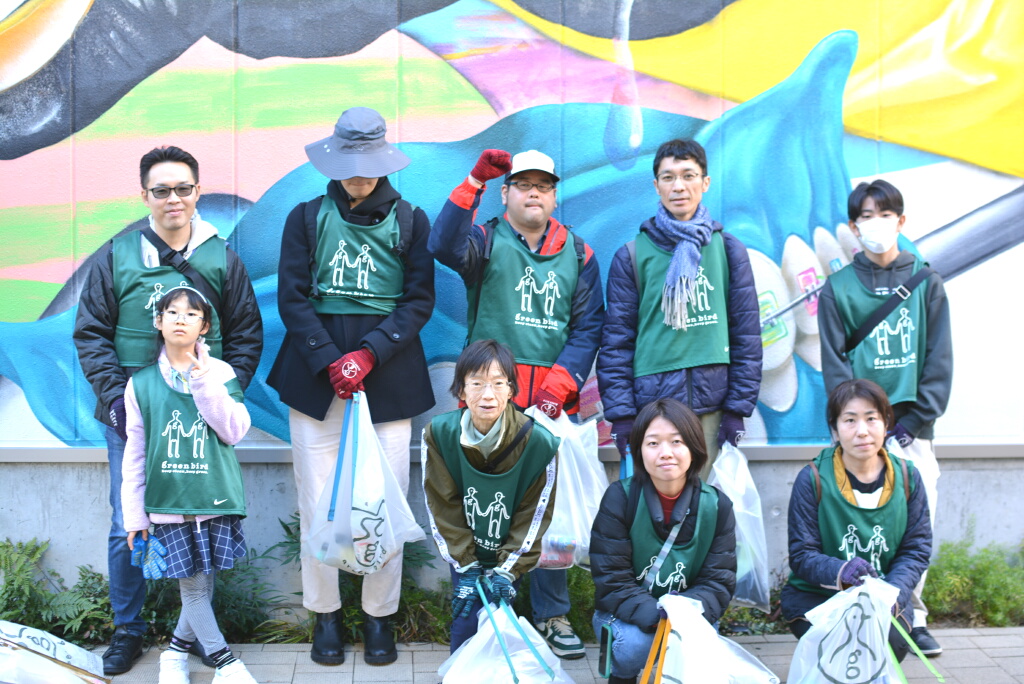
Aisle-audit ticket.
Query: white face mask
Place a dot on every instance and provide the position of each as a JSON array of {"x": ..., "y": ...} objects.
[{"x": 879, "y": 234}]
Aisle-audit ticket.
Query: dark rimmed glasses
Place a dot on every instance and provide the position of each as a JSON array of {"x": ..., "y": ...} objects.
[{"x": 163, "y": 192}]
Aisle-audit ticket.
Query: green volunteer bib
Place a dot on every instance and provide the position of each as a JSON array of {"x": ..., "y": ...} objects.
[
  {"x": 526, "y": 299},
  {"x": 684, "y": 561},
  {"x": 189, "y": 470},
  {"x": 139, "y": 288},
  {"x": 847, "y": 530},
  {"x": 490, "y": 500},
  {"x": 891, "y": 355},
  {"x": 357, "y": 271},
  {"x": 706, "y": 338}
]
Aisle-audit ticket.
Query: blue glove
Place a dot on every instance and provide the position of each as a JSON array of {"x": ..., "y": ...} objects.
[
  {"x": 465, "y": 593},
  {"x": 138, "y": 551},
  {"x": 903, "y": 438},
  {"x": 621, "y": 429},
  {"x": 153, "y": 564},
  {"x": 501, "y": 589},
  {"x": 854, "y": 572},
  {"x": 731, "y": 430}
]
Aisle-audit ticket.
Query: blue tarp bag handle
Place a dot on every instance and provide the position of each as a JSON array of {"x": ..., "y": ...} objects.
[
  {"x": 345, "y": 422},
  {"x": 519, "y": 628}
]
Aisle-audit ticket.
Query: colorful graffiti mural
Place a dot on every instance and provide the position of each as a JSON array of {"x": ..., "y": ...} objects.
[{"x": 794, "y": 104}]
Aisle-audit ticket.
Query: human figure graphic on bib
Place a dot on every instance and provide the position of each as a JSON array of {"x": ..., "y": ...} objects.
[
  {"x": 553, "y": 329},
  {"x": 908, "y": 352},
  {"x": 113, "y": 336},
  {"x": 489, "y": 451},
  {"x": 853, "y": 491},
  {"x": 662, "y": 530},
  {"x": 683, "y": 318},
  {"x": 346, "y": 334},
  {"x": 195, "y": 510}
]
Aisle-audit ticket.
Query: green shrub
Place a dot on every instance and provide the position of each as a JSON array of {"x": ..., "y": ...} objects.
[{"x": 984, "y": 588}]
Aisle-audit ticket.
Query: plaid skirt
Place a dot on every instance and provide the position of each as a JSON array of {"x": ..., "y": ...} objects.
[{"x": 212, "y": 544}]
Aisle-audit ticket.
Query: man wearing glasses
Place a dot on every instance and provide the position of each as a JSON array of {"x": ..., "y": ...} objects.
[
  {"x": 535, "y": 286},
  {"x": 683, "y": 292},
  {"x": 114, "y": 336}
]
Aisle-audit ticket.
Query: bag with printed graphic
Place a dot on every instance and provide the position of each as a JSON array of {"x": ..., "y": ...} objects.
[
  {"x": 688, "y": 649},
  {"x": 731, "y": 474},
  {"x": 848, "y": 642},
  {"x": 580, "y": 485},
  {"x": 362, "y": 520}
]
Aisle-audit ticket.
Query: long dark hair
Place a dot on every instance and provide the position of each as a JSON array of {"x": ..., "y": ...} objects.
[{"x": 684, "y": 420}]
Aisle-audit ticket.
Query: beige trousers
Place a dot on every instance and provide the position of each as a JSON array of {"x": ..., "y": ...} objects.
[
  {"x": 314, "y": 452},
  {"x": 918, "y": 451},
  {"x": 710, "y": 422}
]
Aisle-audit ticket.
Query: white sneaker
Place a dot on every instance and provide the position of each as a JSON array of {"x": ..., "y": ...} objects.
[
  {"x": 173, "y": 667},
  {"x": 235, "y": 673}
]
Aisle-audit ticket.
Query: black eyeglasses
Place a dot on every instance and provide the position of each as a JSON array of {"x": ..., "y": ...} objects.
[
  {"x": 526, "y": 186},
  {"x": 163, "y": 192}
]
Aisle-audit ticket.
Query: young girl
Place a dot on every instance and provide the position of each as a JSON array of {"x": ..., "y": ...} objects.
[{"x": 185, "y": 413}]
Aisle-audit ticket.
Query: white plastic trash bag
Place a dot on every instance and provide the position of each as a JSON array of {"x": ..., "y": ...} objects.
[
  {"x": 32, "y": 656},
  {"x": 362, "y": 519},
  {"x": 696, "y": 654},
  {"x": 731, "y": 474},
  {"x": 482, "y": 658},
  {"x": 848, "y": 642},
  {"x": 581, "y": 484}
]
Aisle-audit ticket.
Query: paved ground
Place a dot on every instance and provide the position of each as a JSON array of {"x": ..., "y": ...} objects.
[{"x": 972, "y": 656}]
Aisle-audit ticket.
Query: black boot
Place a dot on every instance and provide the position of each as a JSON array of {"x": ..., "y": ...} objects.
[
  {"x": 200, "y": 652},
  {"x": 379, "y": 641},
  {"x": 621, "y": 680},
  {"x": 125, "y": 649},
  {"x": 328, "y": 643}
]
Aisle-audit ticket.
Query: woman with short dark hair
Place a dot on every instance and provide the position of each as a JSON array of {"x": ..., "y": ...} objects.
[
  {"x": 664, "y": 507},
  {"x": 856, "y": 511},
  {"x": 489, "y": 482}
]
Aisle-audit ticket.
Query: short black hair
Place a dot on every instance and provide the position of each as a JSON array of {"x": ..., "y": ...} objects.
[
  {"x": 168, "y": 153},
  {"x": 885, "y": 194},
  {"x": 478, "y": 357},
  {"x": 195, "y": 300},
  {"x": 681, "y": 149},
  {"x": 858, "y": 388},
  {"x": 684, "y": 420}
]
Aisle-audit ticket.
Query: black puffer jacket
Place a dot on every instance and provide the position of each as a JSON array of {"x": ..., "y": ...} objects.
[{"x": 611, "y": 556}]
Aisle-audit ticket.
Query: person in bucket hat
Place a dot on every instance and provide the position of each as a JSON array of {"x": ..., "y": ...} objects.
[
  {"x": 355, "y": 287},
  {"x": 542, "y": 288}
]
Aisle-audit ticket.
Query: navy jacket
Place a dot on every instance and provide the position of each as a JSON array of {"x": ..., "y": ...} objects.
[
  {"x": 398, "y": 387},
  {"x": 616, "y": 589},
  {"x": 808, "y": 561},
  {"x": 731, "y": 387}
]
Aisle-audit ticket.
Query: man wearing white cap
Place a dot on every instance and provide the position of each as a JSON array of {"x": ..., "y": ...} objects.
[
  {"x": 355, "y": 287},
  {"x": 536, "y": 287}
]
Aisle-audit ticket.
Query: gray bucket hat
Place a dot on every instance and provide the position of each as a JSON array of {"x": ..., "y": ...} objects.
[{"x": 357, "y": 148}]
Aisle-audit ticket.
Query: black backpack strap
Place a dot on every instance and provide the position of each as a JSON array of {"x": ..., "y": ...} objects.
[
  {"x": 310, "y": 212},
  {"x": 901, "y": 295},
  {"x": 817, "y": 480},
  {"x": 906, "y": 479},
  {"x": 404, "y": 212},
  {"x": 493, "y": 463},
  {"x": 631, "y": 253},
  {"x": 173, "y": 258}
]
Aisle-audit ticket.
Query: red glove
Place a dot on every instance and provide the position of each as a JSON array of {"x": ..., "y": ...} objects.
[
  {"x": 548, "y": 403},
  {"x": 491, "y": 165},
  {"x": 347, "y": 373}
]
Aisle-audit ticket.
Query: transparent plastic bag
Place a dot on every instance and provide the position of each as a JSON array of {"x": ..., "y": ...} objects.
[
  {"x": 362, "y": 519},
  {"x": 731, "y": 474},
  {"x": 848, "y": 642},
  {"x": 581, "y": 484},
  {"x": 488, "y": 657},
  {"x": 695, "y": 653},
  {"x": 32, "y": 656}
]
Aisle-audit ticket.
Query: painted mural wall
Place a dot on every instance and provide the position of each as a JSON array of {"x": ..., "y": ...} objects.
[{"x": 795, "y": 103}]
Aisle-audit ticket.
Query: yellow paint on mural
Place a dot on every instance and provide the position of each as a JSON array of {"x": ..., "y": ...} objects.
[
  {"x": 32, "y": 34},
  {"x": 946, "y": 76}
]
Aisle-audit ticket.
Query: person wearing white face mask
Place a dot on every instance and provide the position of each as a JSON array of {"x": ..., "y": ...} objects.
[{"x": 885, "y": 317}]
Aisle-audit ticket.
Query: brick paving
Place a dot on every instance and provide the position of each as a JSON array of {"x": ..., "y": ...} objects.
[{"x": 971, "y": 656}]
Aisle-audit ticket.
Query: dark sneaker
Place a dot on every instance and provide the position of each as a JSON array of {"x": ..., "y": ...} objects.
[
  {"x": 200, "y": 652},
  {"x": 125, "y": 649},
  {"x": 561, "y": 638},
  {"x": 925, "y": 641},
  {"x": 379, "y": 642}
]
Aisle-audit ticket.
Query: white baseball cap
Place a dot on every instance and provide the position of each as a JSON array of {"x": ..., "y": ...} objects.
[{"x": 532, "y": 160}]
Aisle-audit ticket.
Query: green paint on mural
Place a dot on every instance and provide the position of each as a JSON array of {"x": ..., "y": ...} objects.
[
  {"x": 25, "y": 300},
  {"x": 37, "y": 233},
  {"x": 288, "y": 96}
]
